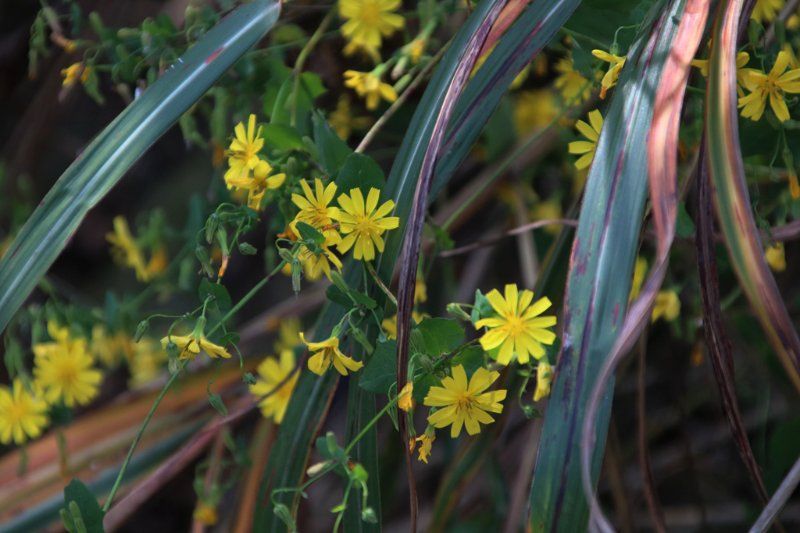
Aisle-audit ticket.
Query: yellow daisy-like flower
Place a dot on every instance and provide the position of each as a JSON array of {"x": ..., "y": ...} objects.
[
  {"x": 518, "y": 329},
  {"x": 75, "y": 72},
  {"x": 342, "y": 120},
  {"x": 192, "y": 344},
  {"x": 65, "y": 371},
  {"x": 23, "y": 415},
  {"x": 425, "y": 444},
  {"x": 534, "y": 110},
  {"x": 776, "y": 257},
  {"x": 612, "y": 75},
  {"x": 465, "y": 404},
  {"x": 405, "y": 400},
  {"x": 591, "y": 132},
  {"x": 368, "y": 22},
  {"x": 315, "y": 209},
  {"x": 667, "y": 306},
  {"x": 326, "y": 353},
  {"x": 243, "y": 150},
  {"x": 147, "y": 362},
  {"x": 773, "y": 86},
  {"x": 766, "y": 10},
  {"x": 368, "y": 85},
  {"x": 126, "y": 251},
  {"x": 362, "y": 223},
  {"x": 544, "y": 378},
  {"x": 274, "y": 372},
  {"x": 571, "y": 83},
  {"x": 256, "y": 185}
]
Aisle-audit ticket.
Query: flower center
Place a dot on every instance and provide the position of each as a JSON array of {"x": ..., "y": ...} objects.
[
  {"x": 370, "y": 13},
  {"x": 365, "y": 225},
  {"x": 67, "y": 373},
  {"x": 514, "y": 325}
]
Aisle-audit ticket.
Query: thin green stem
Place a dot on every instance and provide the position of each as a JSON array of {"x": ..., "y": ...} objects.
[
  {"x": 303, "y": 56},
  {"x": 380, "y": 283}
]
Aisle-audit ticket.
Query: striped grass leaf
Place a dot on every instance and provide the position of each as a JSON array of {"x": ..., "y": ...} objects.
[
  {"x": 599, "y": 279},
  {"x": 119, "y": 145},
  {"x": 732, "y": 199}
]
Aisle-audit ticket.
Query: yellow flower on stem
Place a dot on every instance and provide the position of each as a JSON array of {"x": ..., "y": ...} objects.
[
  {"x": 773, "y": 86},
  {"x": 243, "y": 150},
  {"x": 315, "y": 209},
  {"x": 591, "y": 132},
  {"x": 65, "y": 370},
  {"x": 405, "y": 400},
  {"x": 342, "y": 120},
  {"x": 362, "y": 223},
  {"x": 257, "y": 184},
  {"x": 315, "y": 264},
  {"x": 23, "y": 415},
  {"x": 776, "y": 257},
  {"x": 518, "y": 329},
  {"x": 425, "y": 444},
  {"x": 667, "y": 306},
  {"x": 368, "y": 22},
  {"x": 766, "y": 10},
  {"x": 191, "y": 345},
  {"x": 75, "y": 72},
  {"x": 465, "y": 404},
  {"x": 368, "y": 85},
  {"x": 570, "y": 82},
  {"x": 275, "y": 384},
  {"x": 544, "y": 377},
  {"x": 326, "y": 353},
  {"x": 612, "y": 75},
  {"x": 126, "y": 251}
]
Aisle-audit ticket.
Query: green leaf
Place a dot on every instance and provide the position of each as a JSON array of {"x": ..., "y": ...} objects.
[
  {"x": 481, "y": 308},
  {"x": 81, "y": 506},
  {"x": 440, "y": 335},
  {"x": 359, "y": 171},
  {"x": 684, "y": 226},
  {"x": 333, "y": 152},
  {"x": 310, "y": 234},
  {"x": 471, "y": 358},
  {"x": 218, "y": 293},
  {"x": 122, "y": 143},
  {"x": 379, "y": 374},
  {"x": 282, "y": 137},
  {"x": 216, "y": 402}
]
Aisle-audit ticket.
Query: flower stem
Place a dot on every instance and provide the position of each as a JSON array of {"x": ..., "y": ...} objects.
[{"x": 301, "y": 59}]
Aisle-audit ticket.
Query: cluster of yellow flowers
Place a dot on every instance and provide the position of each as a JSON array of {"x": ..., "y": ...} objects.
[{"x": 64, "y": 373}]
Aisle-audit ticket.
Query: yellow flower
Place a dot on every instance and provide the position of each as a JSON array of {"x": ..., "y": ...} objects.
[
  {"x": 255, "y": 185},
  {"x": 667, "y": 306},
  {"x": 615, "y": 66},
  {"x": 327, "y": 352},
  {"x": 775, "y": 256},
  {"x": 147, "y": 362},
  {"x": 544, "y": 377},
  {"x": 362, "y": 223},
  {"x": 126, "y": 251},
  {"x": 426, "y": 444},
  {"x": 639, "y": 271},
  {"x": 317, "y": 264},
  {"x": 110, "y": 349},
  {"x": 369, "y": 86},
  {"x": 192, "y": 344},
  {"x": 548, "y": 210},
  {"x": 65, "y": 370},
  {"x": 766, "y": 10},
  {"x": 534, "y": 110},
  {"x": 460, "y": 403},
  {"x": 570, "y": 82},
  {"x": 23, "y": 415},
  {"x": 272, "y": 373},
  {"x": 518, "y": 329},
  {"x": 342, "y": 120},
  {"x": 592, "y": 133},
  {"x": 288, "y": 334},
  {"x": 75, "y": 72},
  {"x": 205, "y": 514},
  {"x": 390, "y": 324},
  {"x": 772, "y": 86},
  {"x": 741, "y": 60},
  {"x": 315, "y": 209},
  {"x": 405, "y": 400},
  {"x": 243, "y": 150},
  {"x": 368, "y": 21}
]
